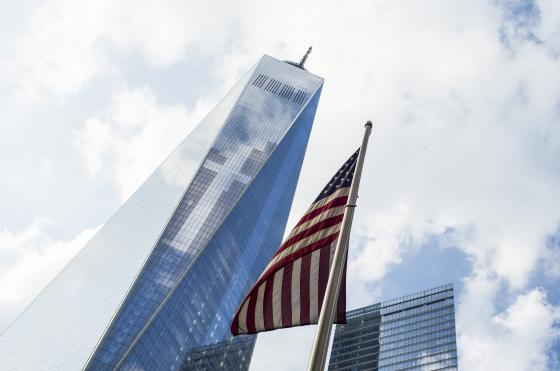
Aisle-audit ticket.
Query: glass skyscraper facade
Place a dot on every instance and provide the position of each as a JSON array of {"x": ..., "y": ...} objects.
[
  {"x": 165, "y": 274},
  {"x": 415, "y": 332}
]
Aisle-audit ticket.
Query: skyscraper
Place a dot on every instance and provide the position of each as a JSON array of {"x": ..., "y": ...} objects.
[
  {"x": 165, "y": 274},
  {"x": 415, "y": 332}
]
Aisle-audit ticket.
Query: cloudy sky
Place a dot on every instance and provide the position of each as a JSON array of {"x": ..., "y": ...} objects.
[{"x": 461, "y": 183}]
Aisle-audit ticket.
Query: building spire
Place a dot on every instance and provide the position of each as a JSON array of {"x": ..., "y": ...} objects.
[{"x": 302, "y": 62}]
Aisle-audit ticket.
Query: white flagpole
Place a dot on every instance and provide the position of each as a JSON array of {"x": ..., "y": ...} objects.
[{"x": 328, "y": 309}]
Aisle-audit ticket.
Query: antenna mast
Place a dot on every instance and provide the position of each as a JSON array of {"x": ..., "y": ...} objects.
[{"x": 302, "y": 62}]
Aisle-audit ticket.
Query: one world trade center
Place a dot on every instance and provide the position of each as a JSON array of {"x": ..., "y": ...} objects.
[{"x": 165, "y": 274}]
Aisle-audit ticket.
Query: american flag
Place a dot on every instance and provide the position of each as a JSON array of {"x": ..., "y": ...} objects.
[{"x": 291, "y": 289}]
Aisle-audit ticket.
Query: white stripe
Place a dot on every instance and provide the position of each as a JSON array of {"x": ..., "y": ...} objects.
[
  {"x": 243, "y": 317},
  {"x": 332, "y": 247},
  {"x": 323, "y": 233},
  {"x": 259, "y": 319},
  {"x": 277, "y": 298},
  {"x": 314, "y": 286},
  {"x": 329, "y": 213},
  {"x": 296, "y": 310}
]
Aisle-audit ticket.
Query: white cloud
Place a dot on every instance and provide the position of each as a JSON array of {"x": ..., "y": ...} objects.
[
  {"x": 549, "y": 30},
  {"x": 517, "y": 338},
  {"x": 59, "y": 50},
  {"x": 29, "y": 259},
  {"x": 386, "y": 237},
  {"x": 126, "y": 144},
  {"x": 67, "y": 43}
]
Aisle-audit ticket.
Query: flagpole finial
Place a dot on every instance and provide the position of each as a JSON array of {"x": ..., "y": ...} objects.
[{"x": 369, "y": 124}]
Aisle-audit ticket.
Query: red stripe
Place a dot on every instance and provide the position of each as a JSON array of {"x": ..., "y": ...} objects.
[
  {"x": 287, "y": 295},
  {"x": 235, "y": 324},
  {"x": 339, "y": 201},
  {"x": 324, "y": 224},
  {"x": 251, "y": 311},
  {"x": 341, "y": 302},
  {"x": 323, "y": 273},
  {"x": 304, "y": 289},
  {"x": 267, "y": 304}
]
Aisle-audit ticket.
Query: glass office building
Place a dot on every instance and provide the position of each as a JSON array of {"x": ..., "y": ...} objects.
[
  {"x": 415, "y": 332},
  {"x": 165, "y": 274},
  {"x": 233, "y": 355}
]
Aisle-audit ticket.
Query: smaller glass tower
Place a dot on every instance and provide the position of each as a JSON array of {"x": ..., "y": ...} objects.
[
  {"x": 231, "y": 355},
  {"x": 415, "y": 332}
]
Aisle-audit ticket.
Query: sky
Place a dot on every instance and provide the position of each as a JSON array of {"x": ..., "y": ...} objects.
[{"x": 461, "y": 180}]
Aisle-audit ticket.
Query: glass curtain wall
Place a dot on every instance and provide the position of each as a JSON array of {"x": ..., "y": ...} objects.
[{"x": 414, "y": 332}]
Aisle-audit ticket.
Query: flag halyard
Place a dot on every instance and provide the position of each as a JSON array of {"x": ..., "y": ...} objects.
[{"x": 291, "y": 289}]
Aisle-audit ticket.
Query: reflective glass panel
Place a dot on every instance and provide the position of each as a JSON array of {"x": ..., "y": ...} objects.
[{"x": 415, "y": 332}]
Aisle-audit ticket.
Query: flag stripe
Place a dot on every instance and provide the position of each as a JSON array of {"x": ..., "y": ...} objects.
[
  {"x": 287, "y": 295},
  {"x": 251, "y": 312},
  {"x": 277, "y": 298},
  {"x": 324, "y": 265},
  {"x": 259, "y": 319},
  {"x": 296, "y": 304},
  {"x": 243, "y": 316},
  {"x": 314, "y": 285},
  {"x": 267, "y": 304},
  {"x": 304, "y": 289},
  {"x": 341, "y": 303}
]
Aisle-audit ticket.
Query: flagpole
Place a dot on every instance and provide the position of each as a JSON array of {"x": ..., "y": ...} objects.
[{"x": 322, "y": 335}]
